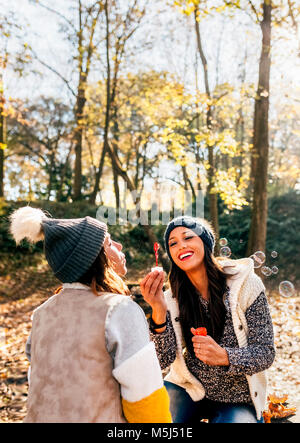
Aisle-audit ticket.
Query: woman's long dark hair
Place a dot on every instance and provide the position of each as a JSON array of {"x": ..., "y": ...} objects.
[
  {"x": 102, "y": 278},
  {"x": 191, "y": 310}
]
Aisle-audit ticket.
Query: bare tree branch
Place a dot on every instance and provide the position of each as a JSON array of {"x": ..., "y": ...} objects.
[
  {"x": 54, "y": 71},
  {"x": 294, "y": 22},
  {"x": 54, "y": 11},
  {"x": 254, "y": 11}
]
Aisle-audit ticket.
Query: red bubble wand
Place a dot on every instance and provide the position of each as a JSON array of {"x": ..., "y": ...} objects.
[{"x": 156, "y": 248}]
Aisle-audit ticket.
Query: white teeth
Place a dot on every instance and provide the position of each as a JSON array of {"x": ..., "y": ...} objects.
[{"x": 185, "y": 255}]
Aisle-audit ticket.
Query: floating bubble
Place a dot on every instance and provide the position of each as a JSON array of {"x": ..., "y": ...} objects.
[
  {"x": 274, "y": 254},
  {"x": 274, "y": 270},
  {"x": 261, "y": 256},
  {"x": 266, "y": 271},
  {"x": 257, "y": 262},
  {"x": 223, "y": 241},
  {"x": 286, "y": 289},
  {"x": 225, "y": 251}
]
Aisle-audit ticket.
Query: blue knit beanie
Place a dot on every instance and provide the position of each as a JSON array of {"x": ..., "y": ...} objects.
[{"x": 200, "y": 228}]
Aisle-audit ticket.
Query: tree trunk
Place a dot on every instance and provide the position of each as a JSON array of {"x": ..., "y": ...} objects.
[
  {"x": 51, "y": 172},
  {"x": 107, "y": 110},
  {"x": 2, "y": 141},
  {"x": 260, "y": 153},
  {"x": 185, "y": 178},
  {"x": 240, "y": 131},
  {"x": 116, "y": 189},
  {"x": 188, "y": 183},
  {"x": 59, "y": 196},
  {"x": 98, "y": 175},
  {"x": 81, "y": 99},
  {"x": 115, "y": 133},
  {"x": 213, "y": 198},
  {"x": 81, "y": 95},
  {"x": 1, "y": 171}
]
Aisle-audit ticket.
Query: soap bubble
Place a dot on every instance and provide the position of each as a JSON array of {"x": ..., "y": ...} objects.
[
  {"x": 266, "y": 271},
  {"x": 286, "y": 289},
  {"x": 274, "y": 254},
  {"x": 260, "y": 256},
  {"x": 257, "y": 262},
  {"x": 225, "y": 251},
  {"x": 274, "y": 270},
  {"x": 223, "y": 241}
]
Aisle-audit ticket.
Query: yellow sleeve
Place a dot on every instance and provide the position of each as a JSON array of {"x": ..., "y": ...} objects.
[{"x": 152, "y": 409}]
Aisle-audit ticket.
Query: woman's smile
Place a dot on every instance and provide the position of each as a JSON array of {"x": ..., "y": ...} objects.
[{"x": 186, "y": 255}]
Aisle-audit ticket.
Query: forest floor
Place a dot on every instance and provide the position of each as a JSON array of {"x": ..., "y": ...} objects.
[{"x": 23, "y": 290}]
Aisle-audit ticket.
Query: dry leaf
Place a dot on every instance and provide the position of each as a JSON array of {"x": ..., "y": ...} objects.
[
  {"x": 277, "y": 409},
  {"x": 267, "y": 416},
  {"x": 272, "y": 398}
]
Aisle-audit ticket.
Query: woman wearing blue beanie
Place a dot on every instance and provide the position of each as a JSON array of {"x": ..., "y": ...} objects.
[{"x": 220, "y": 376}]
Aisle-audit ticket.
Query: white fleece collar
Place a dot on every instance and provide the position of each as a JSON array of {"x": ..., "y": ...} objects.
[
  {"x": 237, "y": 268},
  {"x": 76, "y": 285}
]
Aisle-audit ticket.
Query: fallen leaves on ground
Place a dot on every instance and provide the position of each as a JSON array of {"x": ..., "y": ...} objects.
[
  {"x": 277, "y": 408},
  {"x": 23, "y": 292},
  {"x": 284, "y": 374},
  {"x": 19, "y": 296}
]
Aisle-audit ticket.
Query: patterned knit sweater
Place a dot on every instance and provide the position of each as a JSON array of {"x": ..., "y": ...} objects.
[{"x": 247, "y": 338}]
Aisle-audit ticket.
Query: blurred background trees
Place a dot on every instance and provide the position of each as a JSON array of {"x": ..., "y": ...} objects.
[{"x": 102, "y": 97}]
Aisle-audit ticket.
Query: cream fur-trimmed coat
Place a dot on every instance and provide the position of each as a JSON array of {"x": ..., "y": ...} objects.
[{"x": 245, "y": 286}]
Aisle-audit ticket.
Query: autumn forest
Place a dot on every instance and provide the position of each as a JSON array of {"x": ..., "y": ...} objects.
[{"x": 133, "y": 106}]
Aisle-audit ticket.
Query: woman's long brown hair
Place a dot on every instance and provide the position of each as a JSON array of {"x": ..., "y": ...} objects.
[
  {"x": 191, "y": 311},
  {"x": 102, "y": 278}
]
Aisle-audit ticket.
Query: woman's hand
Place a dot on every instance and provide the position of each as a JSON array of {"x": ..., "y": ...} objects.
[
  {"x": 208, "y": 351},
  {"x": 151, "y": 288}
]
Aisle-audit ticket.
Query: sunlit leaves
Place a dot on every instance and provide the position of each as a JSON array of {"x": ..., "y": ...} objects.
[
  {"x": 204, "y": 8},
  {"x": 230, "y": 188},
  {"x": 224, "y": 140}
]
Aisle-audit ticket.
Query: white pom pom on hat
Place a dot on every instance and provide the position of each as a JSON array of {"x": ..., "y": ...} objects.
[{"x": 26, "y": 223}]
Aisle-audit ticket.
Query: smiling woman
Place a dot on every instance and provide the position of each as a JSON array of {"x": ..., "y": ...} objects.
[
  {"x": 185, "y": 245},
  {"x": 221, "y": 375},
  {"x": 190, "y": 248}
]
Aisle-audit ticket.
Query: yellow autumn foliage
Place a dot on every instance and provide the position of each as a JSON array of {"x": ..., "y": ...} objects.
[{"x": 230, "y": 188}]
